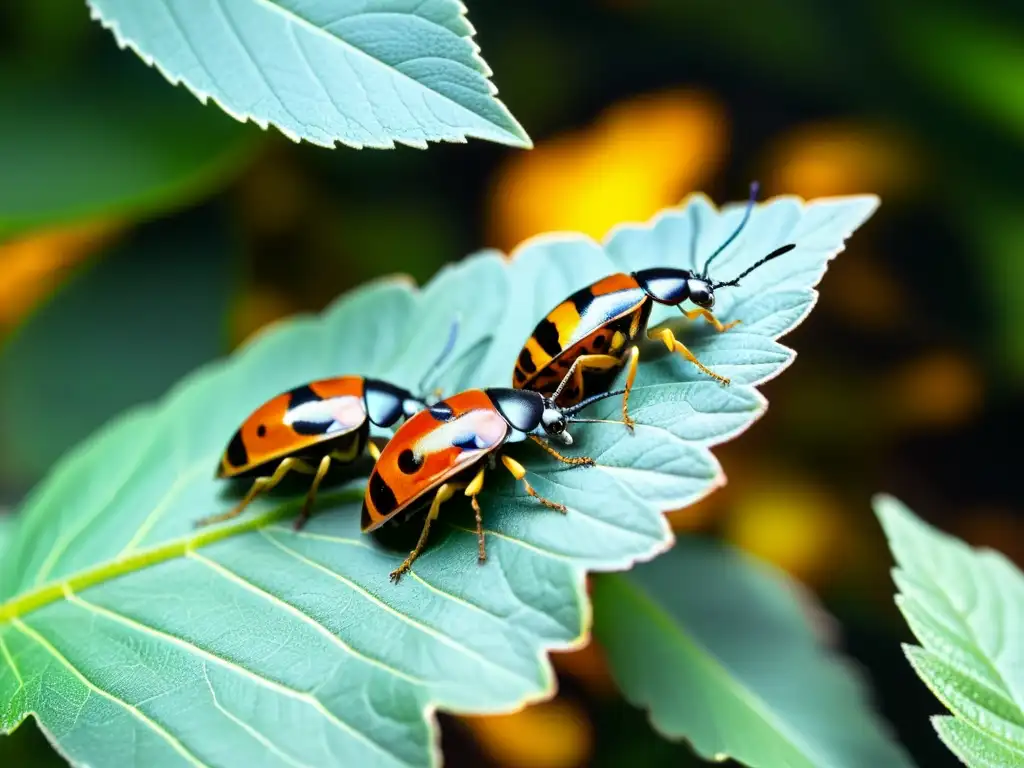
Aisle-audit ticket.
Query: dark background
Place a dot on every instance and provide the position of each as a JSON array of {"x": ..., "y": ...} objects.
[{"x": 201, "y": 231}]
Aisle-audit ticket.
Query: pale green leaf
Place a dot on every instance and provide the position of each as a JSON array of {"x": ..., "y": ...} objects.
[
  {"x": 366, "y": 74},
  {"x": 966, "y": 608},
  {"x": 249, "y": 644},
  {"x": 722, "y": 650},
  {"x": 973, "y": 747},
  {"x": 6, "y": 529}
]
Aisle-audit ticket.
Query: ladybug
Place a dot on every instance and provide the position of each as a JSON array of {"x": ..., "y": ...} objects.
[
  {"x": 594, "y": 331},
  {"x": 448, "y": 446},
  {"x": 308, "y": 428}
]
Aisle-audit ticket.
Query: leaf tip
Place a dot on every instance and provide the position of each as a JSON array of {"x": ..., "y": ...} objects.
[
  {"x": 516, "y": 135},
  {"x": 891, "y": 512}
]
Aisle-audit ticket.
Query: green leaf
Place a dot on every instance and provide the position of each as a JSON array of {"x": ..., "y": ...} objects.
[
  {"x": 721, "y": 649},
  {"x": 74, "y": 163},
  {"x": 966, "y": 55},
  {"x": 367, "y": 74},
  {"x": 6, "y": 530},
  {"x": 250, "y": 644},
  {"x": 119, "y": 333},
  {"x": 966, "y": 608}
]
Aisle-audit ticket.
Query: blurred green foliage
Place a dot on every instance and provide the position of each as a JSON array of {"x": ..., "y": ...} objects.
[
  {"x": 131, "y": 321},
  {"x": 113, "y": 141},
  {"x": 937, "y": 271}
]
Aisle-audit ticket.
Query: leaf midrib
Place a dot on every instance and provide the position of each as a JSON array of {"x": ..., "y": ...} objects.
[
  {"x": 659, "y": 615},
  {"x": 26, "y": 602}
]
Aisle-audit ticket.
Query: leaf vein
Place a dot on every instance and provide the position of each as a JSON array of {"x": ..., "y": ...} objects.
[
  {"x": 302, "y": 21},
  {"x": 267, "y": 743},
  {"x": 219, "y": 4},
  {"x": 274, "y": 599},
  {"x": 425, "y": 629},
  {"x": 10, "y": 661},
  {"x": 142, "y": 717},
  {"x": 207, "y": 656}
]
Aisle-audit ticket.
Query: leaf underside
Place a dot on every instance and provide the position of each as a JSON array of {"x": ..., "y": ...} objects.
[
  {"x": 722, "y": 652},
  {"x": 367, "y": 74},
  {"x": 138, "y": 640},
  {"x": 965, "y": 606}
]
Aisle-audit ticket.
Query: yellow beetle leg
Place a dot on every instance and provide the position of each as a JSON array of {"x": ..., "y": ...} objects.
[
  {"x": 373, "y": 450},
  {"x": 693, "y": 314},
  {"x": 473, "y": 490},
  {"x": 585, "y": 461},
  {"x": 519, "y": 472},
  {"x": 260, "y": 485},
  {"x": 634, "y": 357},
  {"x": 325, "y": 464},
  {"x": 674, "y": 345},
  {"x": 444, "y": 493}
]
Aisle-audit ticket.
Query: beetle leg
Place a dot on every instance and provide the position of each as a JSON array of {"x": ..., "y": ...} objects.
[
  {"x": 634, "y": 357},
  {"x": 585, "y": 461},
  {"x": 674, "y": 345},
  {"x": 325, "y": 464},
  {"x": 260, "y": 485},
  {"x": 582, "y": 363},
  {"x": 693, "y": 314},
  {"x": 519, "y": 472},
  {"x": 373, "y": 450},
  {"x": 444, "y": 493},
  {"x": 473, "y": 490}
]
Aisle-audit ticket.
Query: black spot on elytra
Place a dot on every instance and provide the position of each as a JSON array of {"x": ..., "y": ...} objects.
[
  {"x": 311, "y": 428},
  {"x": 520, "y": 377},
  {"x": 526, "y": 362},
  {"x": 261, "y": 430},
  {"x": 381, "y": 495},
  {"x": 546, "y": 335},
  {"x": 236, "y": 453},
  {"x": 441, "y": 411},
  {"x": 582, "y": 299},
  {"x": 301, "y": 395},
  {"x": 409, "y": 462}
]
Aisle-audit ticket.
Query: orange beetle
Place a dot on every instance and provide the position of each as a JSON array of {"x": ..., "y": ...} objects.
[
  {"x": 590, "y": 336},
  {"x": 308, "y": 428},
  {"x": 448, "y": 447}
]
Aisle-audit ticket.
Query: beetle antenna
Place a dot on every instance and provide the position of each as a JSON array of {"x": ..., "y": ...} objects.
[
  {"x": 449, "y": 345},
  {"x": 570, "y": 412},
  {"x": 774, "y": 254},
  {"x": 754, "y": 187},
  {"x": 596, "y": 421},
  {"x": 561, "y": 385}
]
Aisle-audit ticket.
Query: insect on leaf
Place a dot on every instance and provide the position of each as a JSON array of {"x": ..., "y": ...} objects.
[
  {"x": 367, "y": 74},
  {"x": 966, "y": 609},
  {"x": 723, "y": 651},
  {"x": 248, "y": 644}
]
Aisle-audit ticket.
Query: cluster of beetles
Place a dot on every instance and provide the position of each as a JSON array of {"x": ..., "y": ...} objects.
[{"x": 442, "y": 448}]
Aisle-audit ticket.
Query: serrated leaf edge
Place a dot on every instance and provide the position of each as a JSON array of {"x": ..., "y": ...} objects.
[
  {"x": 917, "y": 657},
  {"x": 517, "y": 137},
  {"x": 890, "y": 510}
]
